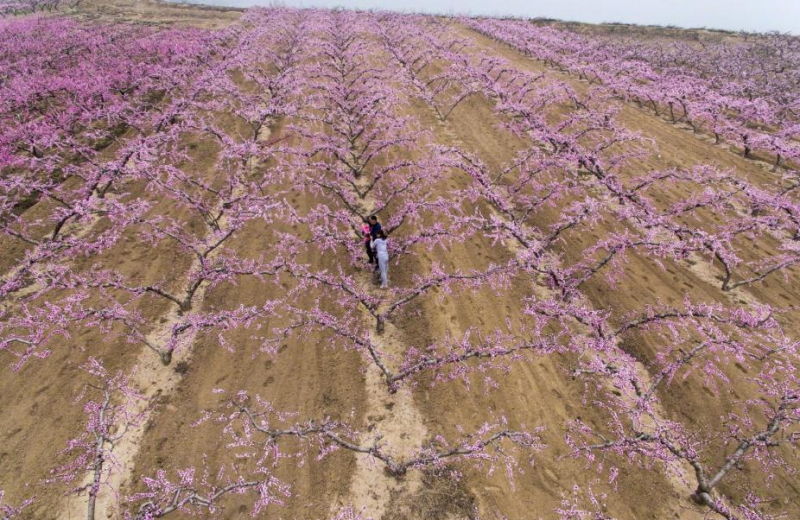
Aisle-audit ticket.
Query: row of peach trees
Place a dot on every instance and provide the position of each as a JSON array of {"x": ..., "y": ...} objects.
[
  {"x": 718, "y": 223},
  {"x": 738, "y": 89}
]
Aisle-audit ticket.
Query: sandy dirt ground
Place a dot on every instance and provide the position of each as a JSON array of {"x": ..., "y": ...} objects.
[
  {"x": 37, "y": 415},
  {"x": 162, "y": 13}
]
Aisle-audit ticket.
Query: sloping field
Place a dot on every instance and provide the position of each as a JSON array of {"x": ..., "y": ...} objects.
[{"x": 592, "y": 300}]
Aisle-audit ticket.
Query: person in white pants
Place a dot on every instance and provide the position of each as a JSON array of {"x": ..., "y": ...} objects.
[{"x": 380, "y": 246}]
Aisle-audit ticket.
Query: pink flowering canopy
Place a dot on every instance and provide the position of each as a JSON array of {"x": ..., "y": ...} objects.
[{"x": 244, "y": 161}]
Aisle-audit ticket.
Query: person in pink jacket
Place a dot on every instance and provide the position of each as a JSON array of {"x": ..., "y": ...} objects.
[{"x": 366, "y": 236}]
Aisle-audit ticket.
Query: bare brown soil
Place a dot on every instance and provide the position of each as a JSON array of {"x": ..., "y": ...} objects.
[{"x": 158, "y": 13}]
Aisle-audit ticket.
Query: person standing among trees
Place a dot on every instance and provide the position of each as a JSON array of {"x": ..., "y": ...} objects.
[
  {"x": 374, "y": 227},
  {"x": 366, "y": 235},
  {"x": 381, "y": 247}
]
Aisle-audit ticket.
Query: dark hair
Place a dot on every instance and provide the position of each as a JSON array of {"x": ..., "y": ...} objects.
[
  {"x": 382, "y": 234},
  {"x": 373, "y": 218}
]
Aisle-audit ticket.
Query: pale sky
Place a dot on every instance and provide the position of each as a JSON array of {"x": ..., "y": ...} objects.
[{"x": 750, "y": 15}]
